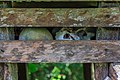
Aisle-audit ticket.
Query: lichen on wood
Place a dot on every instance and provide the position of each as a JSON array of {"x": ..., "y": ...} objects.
[
  {"x": 44, "y": 17},
  {"x": 60, "y": 51}
]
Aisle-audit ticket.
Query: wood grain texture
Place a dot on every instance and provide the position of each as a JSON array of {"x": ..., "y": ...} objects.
[
  {"x": 1, "y": 71},
  {"x": 114, "y": 71},
  {"x": 7, "y": 71},
  {"x": 60, "y": 51},
  {"x": 10, "y": 72},
  {"x": 61, "y": 17},
  {"x": 102, "y": 70}
]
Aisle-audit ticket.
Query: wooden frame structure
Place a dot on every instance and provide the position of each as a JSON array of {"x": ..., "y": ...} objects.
[{"x": 96, "y": 51}]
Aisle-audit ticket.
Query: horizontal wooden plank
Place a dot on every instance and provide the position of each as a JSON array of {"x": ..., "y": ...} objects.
[
  {"x": 62, "y": 17},
  {"x": 59, "y": 0},
  {"x": 60, "y": 51}
]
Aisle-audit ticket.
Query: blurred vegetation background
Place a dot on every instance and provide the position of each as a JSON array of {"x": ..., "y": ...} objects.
[{"x": 55, "y": 71}]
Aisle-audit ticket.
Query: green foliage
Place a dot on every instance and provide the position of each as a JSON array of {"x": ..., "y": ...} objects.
[{"x": 54, "y": 71}]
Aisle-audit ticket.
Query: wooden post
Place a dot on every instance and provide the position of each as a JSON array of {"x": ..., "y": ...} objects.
[
  {"x": 102, "y": 70},
  {"x": 1, "y": 71},
  {"x": 114, "y": 70},
  {"x": 87, "y": 71},
  {"x": 8, "y": 71}
]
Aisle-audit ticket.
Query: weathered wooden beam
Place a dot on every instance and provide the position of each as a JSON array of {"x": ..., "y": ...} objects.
[
  {"x": 1, "y": 71},
  {"x": 60, "y": 51},
  {"x": 114, "y": 71},
  {"x": 102, "y": 70},
  {"x": 8, "y": 71},
  {"x": 50, "y": 17}
]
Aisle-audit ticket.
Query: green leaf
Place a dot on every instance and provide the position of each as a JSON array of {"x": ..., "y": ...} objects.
[
  {"x": 32, "y": 68},
  {"x": 56, "y": 70},
  {"x": 59, "y": 76},
  {"x": 64, "y": 77}
]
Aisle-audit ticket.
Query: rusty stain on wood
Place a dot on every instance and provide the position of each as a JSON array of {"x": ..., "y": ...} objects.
[
  {"x": 43, "y": 17},
  {"x": 60, "y": 51}
]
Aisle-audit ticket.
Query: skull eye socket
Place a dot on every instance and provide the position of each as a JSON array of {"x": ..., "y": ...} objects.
[{"x": 68, "y": 36}]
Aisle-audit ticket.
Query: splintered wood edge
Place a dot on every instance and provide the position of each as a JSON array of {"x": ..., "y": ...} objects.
[
  {"x": 59, "y": 51},
  {"x": 60, "y": 17}
]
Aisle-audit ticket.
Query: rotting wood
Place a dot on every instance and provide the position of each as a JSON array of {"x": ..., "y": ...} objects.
[
  {"x": 60, "y": 51},
  {"x": 41, "y": 17},
  {"x": 13, "y": 70},
  {"x": 10, "y": 72},
  {"x": 7, "y": 71},
  {"x": 107, "y": 34},
  {"x": 1, "y": 71},
  {"x": 102, "y": 70},
  {"x": 114, "y": 71}
]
